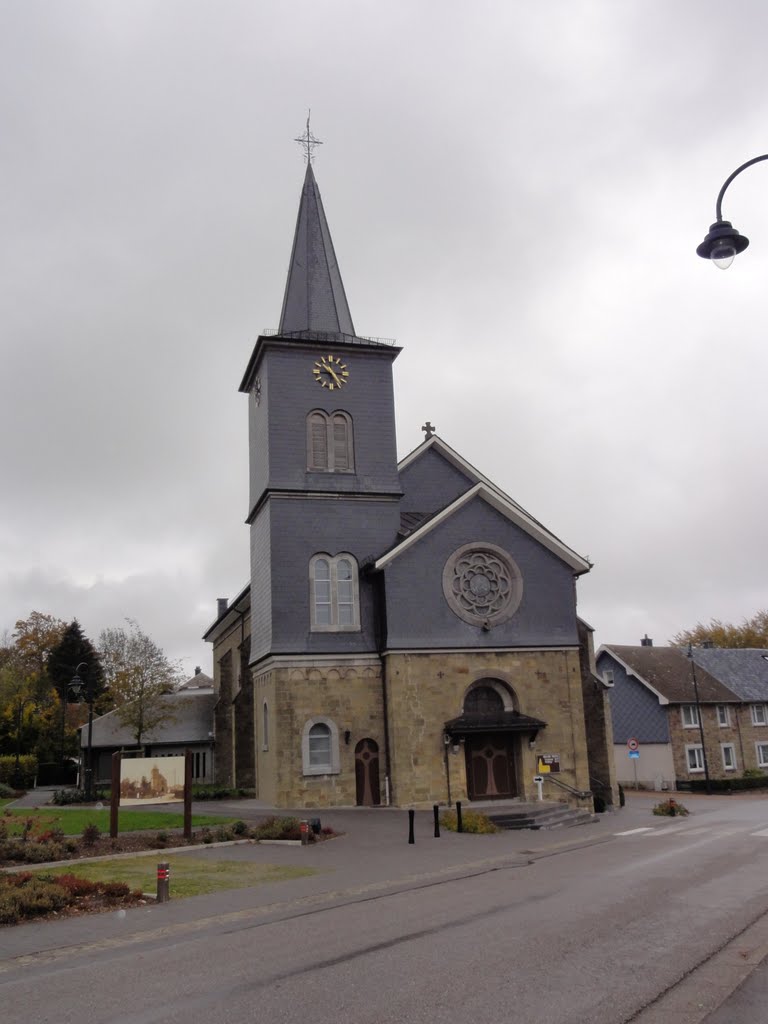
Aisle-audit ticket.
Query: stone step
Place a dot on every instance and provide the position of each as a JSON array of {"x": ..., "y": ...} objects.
[{"x": 544, "y": 818}]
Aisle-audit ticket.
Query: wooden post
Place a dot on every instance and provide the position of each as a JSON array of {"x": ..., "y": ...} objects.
[
  {"x": 187, "y": 794},
  {"x": 436, "y": 813},
  {"x": 114, "y": 797},
  {"x": 459, "y": 822},
  {"x": 411, "y": 816},
  {"x": 163, "y": 882}
]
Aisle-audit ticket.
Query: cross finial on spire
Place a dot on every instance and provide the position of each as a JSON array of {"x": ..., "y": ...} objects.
[
  {"x": 308, "y": 141},
  {"x": 428, "y": 430}
]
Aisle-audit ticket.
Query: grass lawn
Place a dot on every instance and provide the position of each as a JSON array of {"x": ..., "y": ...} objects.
[
  {"x": 73, "y": 821},
  {"x": 189, "y": 875}
]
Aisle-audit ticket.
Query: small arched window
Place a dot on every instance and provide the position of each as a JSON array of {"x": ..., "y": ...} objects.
[
  {"x": 330, "y": 447},
  {"x": 334, "y": 593},
  {"x": 320, "y": 747}
]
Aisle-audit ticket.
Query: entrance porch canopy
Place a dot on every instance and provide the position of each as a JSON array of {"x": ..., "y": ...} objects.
[{"x": 472, "y": 722}]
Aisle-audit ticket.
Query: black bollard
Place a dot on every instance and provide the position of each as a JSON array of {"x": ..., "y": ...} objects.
[
  {"x": 411, "y": 816},
  {"x": 436, "y": 812},
  {"x": 459, "y": 822}
]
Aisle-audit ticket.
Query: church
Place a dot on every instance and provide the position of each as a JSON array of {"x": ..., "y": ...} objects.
[{"x": 409, "y": 634}]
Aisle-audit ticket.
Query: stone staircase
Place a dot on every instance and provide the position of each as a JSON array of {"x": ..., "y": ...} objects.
[{"x": 537, "y": 816}]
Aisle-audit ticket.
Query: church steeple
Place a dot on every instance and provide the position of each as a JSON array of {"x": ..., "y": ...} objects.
[{"x": 314, "y": 293}]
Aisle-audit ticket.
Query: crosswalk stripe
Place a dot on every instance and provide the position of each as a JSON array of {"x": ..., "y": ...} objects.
[{"x": 634, "y": 831}]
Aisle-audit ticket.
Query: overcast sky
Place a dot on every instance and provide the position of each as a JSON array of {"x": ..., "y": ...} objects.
[{"x": 515, "y": 192}]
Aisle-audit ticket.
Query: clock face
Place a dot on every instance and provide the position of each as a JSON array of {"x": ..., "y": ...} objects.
[{"x": 330, "y": 372}]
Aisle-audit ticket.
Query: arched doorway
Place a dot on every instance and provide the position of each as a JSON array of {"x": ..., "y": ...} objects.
[{"x": 367, "y": 792}]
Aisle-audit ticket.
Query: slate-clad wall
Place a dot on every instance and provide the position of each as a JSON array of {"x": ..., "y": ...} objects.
[
  {"x": 261, "y": 582},
  {"x": 290, "y": 392},
  {"x": 635, "y": 711},
  {"x": 301, "y": 528},
  {"x": 430, "y": 483},
  {"x": 418, "y": 614}
]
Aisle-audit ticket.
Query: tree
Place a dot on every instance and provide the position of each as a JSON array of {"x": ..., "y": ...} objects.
[
  {"x": 751, "y": 633},
  {"x": 139, "y": 677},
  {"x": 34, "y": 639}
]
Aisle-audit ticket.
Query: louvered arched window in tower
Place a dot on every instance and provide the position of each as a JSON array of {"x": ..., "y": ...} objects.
[{"x": 330, "y": 447}]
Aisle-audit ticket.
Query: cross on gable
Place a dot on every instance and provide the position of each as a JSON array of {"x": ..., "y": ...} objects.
[
  {"x": 428, "y": 430},
  {"x": 308, "y": 141}
]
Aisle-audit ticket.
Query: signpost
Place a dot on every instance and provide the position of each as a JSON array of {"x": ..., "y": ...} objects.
[
  {"x": 539, "y": 780},
  {"x": 634, "y": 754}
]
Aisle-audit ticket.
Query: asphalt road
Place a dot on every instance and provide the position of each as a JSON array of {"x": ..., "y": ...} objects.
[{"x": 623, "y": 927}]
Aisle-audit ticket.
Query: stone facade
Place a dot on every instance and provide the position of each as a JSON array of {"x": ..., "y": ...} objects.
[{"x": 741, "y": 734}]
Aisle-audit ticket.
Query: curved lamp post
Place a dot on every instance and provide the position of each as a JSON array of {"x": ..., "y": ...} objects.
[
  {"x": 23, "y": 703},
  {"x": 723, "y": 241},
  {"x": 78, "y": 687}
]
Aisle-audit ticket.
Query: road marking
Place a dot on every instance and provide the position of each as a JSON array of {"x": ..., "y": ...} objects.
[
  {"x": 635, "y": 831},
  {"x": 763, "y": 832}
]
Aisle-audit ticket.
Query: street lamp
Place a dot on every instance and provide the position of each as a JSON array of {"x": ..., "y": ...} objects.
[
  {"x": 701, "y": 720},
  {"x": 78, "y": 687},
  {"x": 723, "y": 242}
]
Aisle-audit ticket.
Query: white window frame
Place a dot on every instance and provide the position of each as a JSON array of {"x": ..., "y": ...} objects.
[
  {"x": 333, "y": 767},
  {"x": 723, "y": 748},
  {"x": 698, "y": 751},
  {"x": 692, "y": 712},
  {"x": 723, "y": 716},
  {"x": 757, "y": 711},
  {"x": 334, "y": 626},
  {"x": 761, "y": 758}
]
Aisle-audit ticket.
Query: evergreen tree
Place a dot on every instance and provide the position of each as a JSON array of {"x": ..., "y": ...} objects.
[{"x": 73, "y": 650}]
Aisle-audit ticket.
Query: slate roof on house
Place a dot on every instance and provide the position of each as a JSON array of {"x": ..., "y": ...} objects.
[
  {"x": 743, "y": 670},
  {"x": 192, "y": 721},
  {"x": 667, "y": 671}
]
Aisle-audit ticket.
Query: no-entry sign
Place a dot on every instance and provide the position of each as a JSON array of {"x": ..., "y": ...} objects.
[{"x": 633, "y": 744}]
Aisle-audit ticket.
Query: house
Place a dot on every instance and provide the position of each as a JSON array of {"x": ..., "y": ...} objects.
[
  {"x": 189, "y": 727},
  {"x": 409, "y": 634},
  {"x": 667, "y": 700}
]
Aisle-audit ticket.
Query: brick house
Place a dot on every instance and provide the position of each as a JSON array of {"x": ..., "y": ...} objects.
[
  {"x": 409, "y": 634},
  {"x": 654, "y": 700}
]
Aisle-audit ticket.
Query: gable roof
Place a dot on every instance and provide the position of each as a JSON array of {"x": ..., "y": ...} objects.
[
  {"x": 192, "y": 722},
  {"x": 667, "y": 673},
  {"x": 743, "y": 670},
  {"x": 486, "y": 488}
]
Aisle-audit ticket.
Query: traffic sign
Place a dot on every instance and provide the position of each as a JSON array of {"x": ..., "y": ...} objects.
[
  {"x": 633, "y": 744},
  {"x": 634, "y": 753}
]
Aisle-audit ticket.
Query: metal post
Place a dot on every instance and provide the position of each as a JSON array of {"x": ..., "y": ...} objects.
[
  {"x": 114, "y": 798},
  {"x": 163, "y": 882},
  {"x": 411, "y": 816},
  {"x": 436, "y": 814},
  {"x": 700, "y": 717},
  {"x": 459, "y": 822},
  {"x": 89, "y": 769}
]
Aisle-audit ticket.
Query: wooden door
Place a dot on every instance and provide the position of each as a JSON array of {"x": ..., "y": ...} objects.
[
  {"x": 490, "y": 767},
  {"x": 367, "y": 793}
]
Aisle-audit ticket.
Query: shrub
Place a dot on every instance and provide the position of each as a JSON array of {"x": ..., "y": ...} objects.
[
  {"x": 6, "y": 792},
  {"x": 670, "y": 809},
  {"x": 471, "y": 821},
  {"x": 278, "y": 828},
  {"x": 62, "y": 797},
  {"x": 73, "y": 885},
  {"x": 15, "y": 849},
  {"x": 754, "y": 773},
  {"x": 27, "y": 771},
  {"x": 161, "y": 839},
  {"x": 91, "y": 833},
  {"x": 214, "y": 792},
  {"x": 239, "y": 828}
]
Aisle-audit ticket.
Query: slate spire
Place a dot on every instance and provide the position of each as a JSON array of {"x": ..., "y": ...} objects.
[{"x": 314, "y": 293}]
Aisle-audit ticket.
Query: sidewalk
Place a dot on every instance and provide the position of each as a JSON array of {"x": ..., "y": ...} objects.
[{"x": 371, "y": 854}]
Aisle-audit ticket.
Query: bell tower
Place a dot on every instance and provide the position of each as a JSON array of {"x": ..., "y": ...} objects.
[{"x": 324, "y": 484}]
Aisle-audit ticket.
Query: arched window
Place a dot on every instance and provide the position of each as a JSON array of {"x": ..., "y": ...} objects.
[
  {"x": 320, "y": 747},
  {"x": 330, "y": 447},
  {"x": 334, "y": 593}
]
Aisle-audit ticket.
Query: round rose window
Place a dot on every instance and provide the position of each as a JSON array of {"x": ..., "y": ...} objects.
[{"x": 482, "y": 584}]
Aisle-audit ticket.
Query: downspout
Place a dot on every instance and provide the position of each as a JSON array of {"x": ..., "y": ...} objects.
[{"x": 380, "y": 618}]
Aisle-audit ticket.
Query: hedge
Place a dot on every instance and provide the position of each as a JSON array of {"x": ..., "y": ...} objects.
[
  {"x": 27, "y": 770},
  {"x": 722, "y": 785}
]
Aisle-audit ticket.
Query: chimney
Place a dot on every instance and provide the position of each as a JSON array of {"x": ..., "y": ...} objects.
[
  {"x": 198, "y": 670},
  {"x": 707, "y": 645},
  {"x": 222, "y": 604},
  {"x": 646, "y": 641}
]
